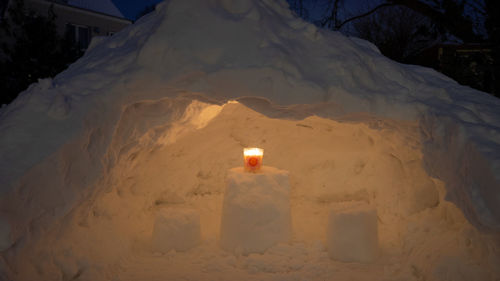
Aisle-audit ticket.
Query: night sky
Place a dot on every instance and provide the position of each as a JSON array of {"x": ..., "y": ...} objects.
[{"x": 130, "y": 8}]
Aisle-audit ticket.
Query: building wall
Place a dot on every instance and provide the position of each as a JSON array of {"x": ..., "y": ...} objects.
[{"x": 99, "y": 24}]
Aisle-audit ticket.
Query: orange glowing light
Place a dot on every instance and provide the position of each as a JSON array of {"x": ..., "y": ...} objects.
[{"x": 253, "y": 158}]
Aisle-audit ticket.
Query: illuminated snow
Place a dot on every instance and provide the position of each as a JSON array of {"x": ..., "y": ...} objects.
[{"x": 143, "y": 123}]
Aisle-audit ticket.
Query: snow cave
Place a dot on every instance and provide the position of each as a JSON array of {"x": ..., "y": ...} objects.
[{"x": 118, "y": 167}]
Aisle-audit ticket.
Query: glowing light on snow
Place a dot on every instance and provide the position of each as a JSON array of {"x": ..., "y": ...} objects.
[{"x": 253, "y": 158}]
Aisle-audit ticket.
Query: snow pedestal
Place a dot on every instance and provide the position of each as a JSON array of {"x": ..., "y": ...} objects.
[
  {"x": 256, "y": 210},
  {"x": 352, "y": 234},
  {"x": 176, "y": 229}
]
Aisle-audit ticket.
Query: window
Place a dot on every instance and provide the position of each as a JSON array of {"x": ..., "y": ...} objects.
[{"x": 79, "y": 34}]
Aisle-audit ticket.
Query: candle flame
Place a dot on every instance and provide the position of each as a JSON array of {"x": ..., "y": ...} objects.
[{"x": 253, "y": 151}]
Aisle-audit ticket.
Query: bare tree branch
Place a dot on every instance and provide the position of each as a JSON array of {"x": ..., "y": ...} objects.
[
  {"x": 477, "y": 6},
  {"x": 455, "y": 24},
  {"x": 339, "y": 26}
]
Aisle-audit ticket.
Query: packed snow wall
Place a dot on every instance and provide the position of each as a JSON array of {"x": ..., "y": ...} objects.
[{"x": 63, "y": 135}]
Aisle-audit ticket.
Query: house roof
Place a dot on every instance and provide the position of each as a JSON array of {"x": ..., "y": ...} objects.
[{"x": 101, "y": 6}]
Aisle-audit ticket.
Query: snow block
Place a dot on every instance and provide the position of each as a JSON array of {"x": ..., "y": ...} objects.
[
  {"x": 176, "y": 229},
  {"x": 352, "y": 234},
  {"x": 256, "y": 210}
]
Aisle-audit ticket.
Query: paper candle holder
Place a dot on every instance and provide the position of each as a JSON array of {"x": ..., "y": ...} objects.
[{"x": 253, "y": 158}]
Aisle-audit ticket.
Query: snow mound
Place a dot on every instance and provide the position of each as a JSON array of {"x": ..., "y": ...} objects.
[{"x": 155, "y": 115}]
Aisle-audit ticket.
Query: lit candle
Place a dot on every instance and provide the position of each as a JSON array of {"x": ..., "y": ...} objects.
[{"x": 253, "y": 158}]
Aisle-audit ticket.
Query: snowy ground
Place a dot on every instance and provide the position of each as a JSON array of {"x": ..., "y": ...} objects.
[{"x": 154, "y": 117}]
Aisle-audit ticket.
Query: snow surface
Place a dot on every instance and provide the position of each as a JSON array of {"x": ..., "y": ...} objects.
[
  {"x": 154, "y": 116},
  {"x": 102, "y": 6}
]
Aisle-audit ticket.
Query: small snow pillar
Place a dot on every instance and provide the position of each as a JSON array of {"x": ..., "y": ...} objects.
[
  {"x": 352, "y": 234},
  {"x": 256, "y": 210},
  {"x": 176, "y": 229}
]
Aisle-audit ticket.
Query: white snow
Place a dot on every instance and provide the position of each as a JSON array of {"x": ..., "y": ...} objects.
[
  {"x": 256, "y": 210},
  {"x": 176, "y": 229},
  {"x": 352, "y": 234},
  {"x": 154, "y": 117}
]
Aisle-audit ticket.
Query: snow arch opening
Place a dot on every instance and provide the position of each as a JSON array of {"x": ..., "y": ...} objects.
[{"x": 330, "y": 163}]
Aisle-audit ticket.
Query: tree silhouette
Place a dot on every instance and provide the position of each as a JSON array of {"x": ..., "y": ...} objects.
[
  {"x": 397, "y": 31},
  {"x": 402, "y": 29},
  {"x": 492, "y": 24},
  {"x": 32, "y": 48}
]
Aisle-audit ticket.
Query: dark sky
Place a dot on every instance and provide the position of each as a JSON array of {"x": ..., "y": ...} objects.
[{"x": 130, "y": 8}]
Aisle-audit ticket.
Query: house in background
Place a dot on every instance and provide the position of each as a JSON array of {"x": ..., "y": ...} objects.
[
  {"x": 79, "y": 19},
  {"x": 468, "y": 64}
]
